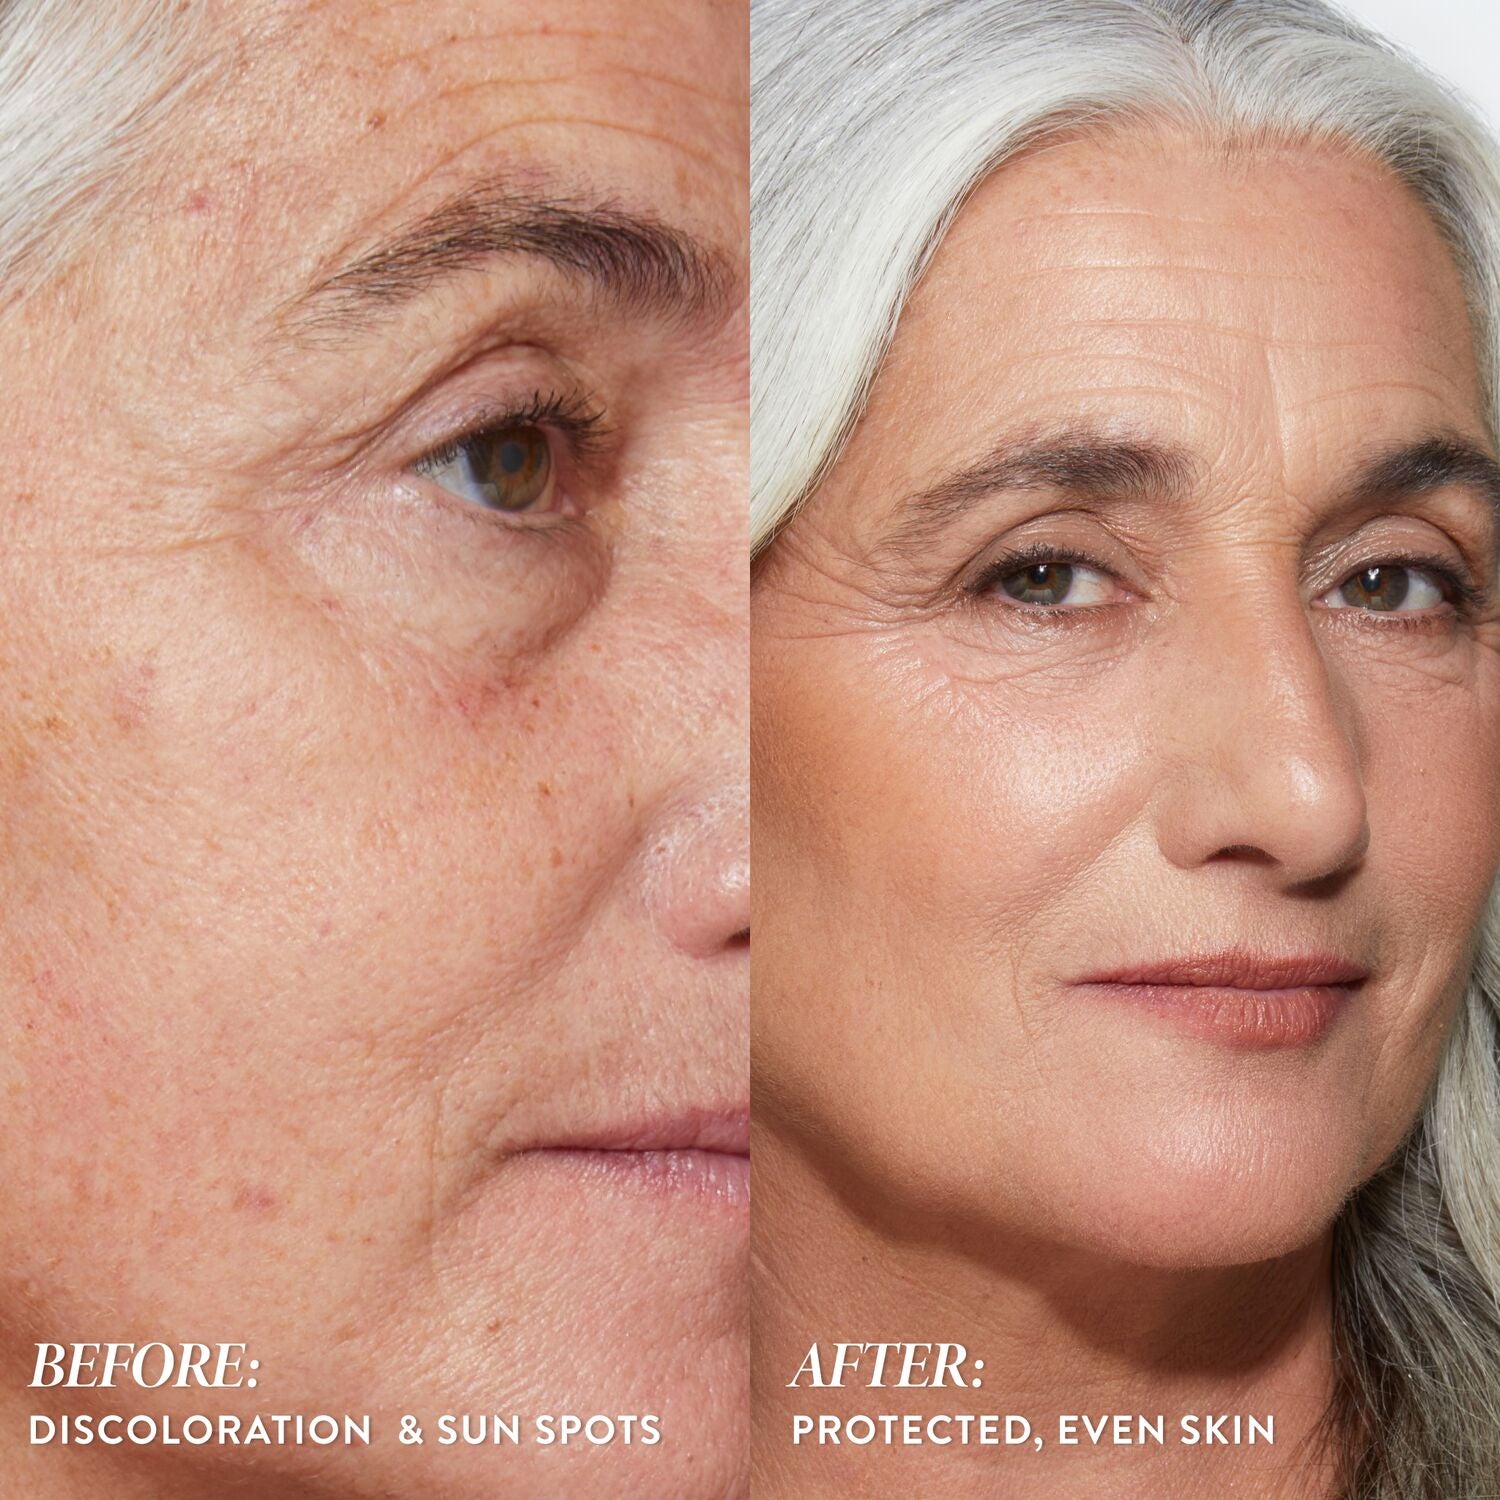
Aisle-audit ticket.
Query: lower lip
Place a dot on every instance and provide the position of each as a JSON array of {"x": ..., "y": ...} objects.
[
  {"x": 1249, "y": 1019},
  {"x": 715, "y": 1178}
]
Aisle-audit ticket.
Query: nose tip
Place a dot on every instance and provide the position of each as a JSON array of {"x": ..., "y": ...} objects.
[
  {"x": 697, "y": 876},
  {"x": 1306, "y": 819},
  {"x": 1269, "y": 769}
]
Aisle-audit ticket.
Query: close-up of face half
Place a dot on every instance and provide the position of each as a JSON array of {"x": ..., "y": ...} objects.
[
  {"x": 374, "y": 827},
  {"x": 1125, "y": 755}
]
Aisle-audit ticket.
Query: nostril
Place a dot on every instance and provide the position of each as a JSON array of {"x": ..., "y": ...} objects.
[{"x": 1248, "y": 852}]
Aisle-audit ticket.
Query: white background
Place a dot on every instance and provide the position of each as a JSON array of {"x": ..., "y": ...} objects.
[{"x": 1458, "y": 39}]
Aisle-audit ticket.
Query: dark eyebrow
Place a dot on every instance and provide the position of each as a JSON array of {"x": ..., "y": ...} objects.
[
  {"x": 1080, "y": 463},
  {"x": 1117, "y": 470},
  {"x": 1430, "y": 463},
  {"x": 632, "y": 259}
]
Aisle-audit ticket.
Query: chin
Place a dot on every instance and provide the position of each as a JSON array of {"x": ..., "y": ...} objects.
[{"x": 1196, "y": 1200}]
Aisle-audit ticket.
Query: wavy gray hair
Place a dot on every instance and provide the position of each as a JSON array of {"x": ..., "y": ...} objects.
[
  {"x": 872, "y": 120},
  {"x": 85, "y": 88}
]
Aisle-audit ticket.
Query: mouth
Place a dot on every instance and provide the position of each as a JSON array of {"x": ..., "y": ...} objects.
[
  {"x": 701, "y": 1155},
  {"x": 1238, "y": 997}
]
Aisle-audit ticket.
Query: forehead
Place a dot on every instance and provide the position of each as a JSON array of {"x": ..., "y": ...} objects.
[
  {"x": 329, "y": 124},
  {"x": 1215, "y": 297}
]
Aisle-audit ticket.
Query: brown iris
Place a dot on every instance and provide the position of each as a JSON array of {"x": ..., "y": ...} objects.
[
  {"x": 1041, "y": 583},
  {"x": 1377, "y": 588},
  {"x": 511, "y": 466}
]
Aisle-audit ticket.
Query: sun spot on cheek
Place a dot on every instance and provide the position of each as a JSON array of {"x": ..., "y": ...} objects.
[
  {"x": 130, "y": 698},
  {"x": 257, "y": 1199}
]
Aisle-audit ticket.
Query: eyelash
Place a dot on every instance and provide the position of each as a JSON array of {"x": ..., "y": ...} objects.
[
  {"x": 1032, "y": 556},
  {"x": 570, "y": 413},
  {"x": 1464, "y": 596}
]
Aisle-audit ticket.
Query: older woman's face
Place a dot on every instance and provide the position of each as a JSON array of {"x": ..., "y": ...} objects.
[
  {"x": 1143, "y": 631},
  {"x": 373, "y": 836}
]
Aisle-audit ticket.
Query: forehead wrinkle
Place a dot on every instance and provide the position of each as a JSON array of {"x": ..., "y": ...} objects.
[
  {"x": 684, "y": 142},
  {"x": 573, "y": 75},
  {"x": 1130, "y": 267}
]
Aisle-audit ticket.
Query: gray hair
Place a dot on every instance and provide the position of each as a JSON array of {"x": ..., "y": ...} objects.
[
  {"x": 872, "y": 121},
  {"x": 85, "y": 88}
]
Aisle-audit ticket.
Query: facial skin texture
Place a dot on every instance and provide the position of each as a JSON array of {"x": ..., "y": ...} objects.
[
  {"x": 961, "y": 807},
  {"x": 358, "y": 839}
]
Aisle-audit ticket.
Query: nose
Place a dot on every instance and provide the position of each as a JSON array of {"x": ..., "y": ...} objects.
[
  {"x": 1263, "y": 767},
  {"x": 697, "y": 875}
]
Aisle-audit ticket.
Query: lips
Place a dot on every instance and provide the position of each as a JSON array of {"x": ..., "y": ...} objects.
[
  {"x": 699, "y": 1154},
  {"x": 1237, "y": 996},
  {"x": 1238, "y": 968},
  {"x": 720, "y": 1130}
]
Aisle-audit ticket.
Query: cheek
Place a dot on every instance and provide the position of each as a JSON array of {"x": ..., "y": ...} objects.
[
  {"x": 1430, "y": 755},
  {"x": 259, "y": 838},
  {"x": 911, "y": 847}
]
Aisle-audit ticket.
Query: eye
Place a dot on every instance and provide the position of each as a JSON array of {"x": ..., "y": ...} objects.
[
  {"x": 1390, "y": 588},
  {"x": 502, "y": 468},
  {"x": 1051, "y": 583}
]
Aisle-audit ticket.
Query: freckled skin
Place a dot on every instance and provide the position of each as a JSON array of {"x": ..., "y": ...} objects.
[
  {"x": 958, "y": 811},
  {"x": 331, "y": 807}
]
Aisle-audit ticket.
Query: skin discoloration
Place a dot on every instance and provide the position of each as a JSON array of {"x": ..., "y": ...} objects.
[{"x": 278, "y": 709}]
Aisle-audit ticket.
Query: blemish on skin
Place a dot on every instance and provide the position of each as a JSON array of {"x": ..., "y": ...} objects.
[
  {"x": 375, "y": 120},
  {"x": 132, "y": 697},
  {"x": 255, "y": 1198},
  {"x": 543, "y": 790},
  {"x": 474, "y": 701},
  {"x": 198, "y": 202},
  {"x": 557, "y": 858}
]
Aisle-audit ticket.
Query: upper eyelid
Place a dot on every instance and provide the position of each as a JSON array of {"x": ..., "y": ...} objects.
[{"x": 571, "y": 413}]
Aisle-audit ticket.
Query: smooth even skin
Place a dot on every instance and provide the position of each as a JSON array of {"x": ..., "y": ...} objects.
[
  {"x": 961, "y": 807},
  {"x": 356, "y": 838}
]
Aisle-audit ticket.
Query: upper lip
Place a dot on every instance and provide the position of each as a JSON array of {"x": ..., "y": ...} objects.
[
  {"x": 1237, "y": 968},
  {"x": 723, "y": 1130}
]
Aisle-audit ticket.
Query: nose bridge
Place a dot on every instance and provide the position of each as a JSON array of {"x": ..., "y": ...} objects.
[{"x": 1269, "y": 766}]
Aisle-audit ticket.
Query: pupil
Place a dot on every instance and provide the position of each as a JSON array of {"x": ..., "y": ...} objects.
[
  {"x": 1381, "y": 588},
  {"x": 1039, "y": 583},
  {"x": 519, "y": 467}
]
